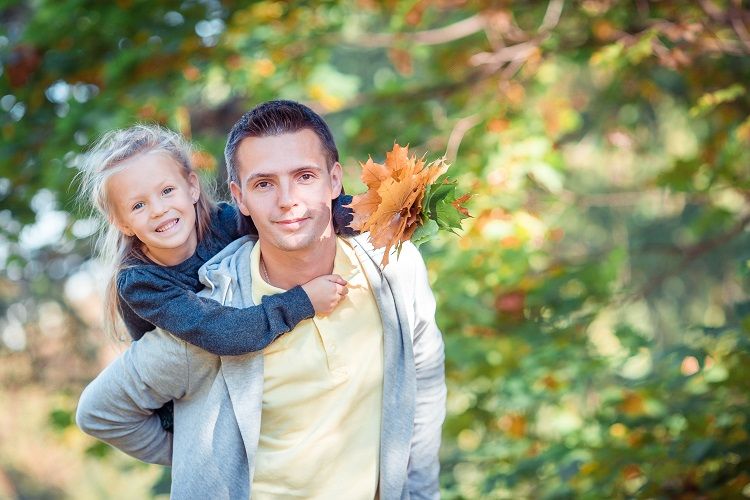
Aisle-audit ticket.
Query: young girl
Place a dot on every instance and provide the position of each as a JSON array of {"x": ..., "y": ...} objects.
[{"x": 162, "y": 228}]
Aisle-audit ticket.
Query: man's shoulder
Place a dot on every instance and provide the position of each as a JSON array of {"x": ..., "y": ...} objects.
[
  {"x": 227, "y": 260},
  {"x": 407, "y": 255},
  {"x": 226, "y": 268}
]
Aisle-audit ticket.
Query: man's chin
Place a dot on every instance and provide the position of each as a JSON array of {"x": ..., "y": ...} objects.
[
  {"x": 297, "y": 241},
  {"x": 294, "y": 243}
]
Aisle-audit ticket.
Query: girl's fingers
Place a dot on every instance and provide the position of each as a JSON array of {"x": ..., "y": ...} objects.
[{"x": 335, "y": 278}]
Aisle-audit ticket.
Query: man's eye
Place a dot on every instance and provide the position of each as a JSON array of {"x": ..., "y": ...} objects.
[
  {"x": 307, "y": 177},
  {"x": 138, "y": 206},
  {"x": 167, "y": 190},
  {"x": 263, "y": 185}
]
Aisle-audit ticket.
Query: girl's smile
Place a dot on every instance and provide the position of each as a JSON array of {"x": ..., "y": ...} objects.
[{"x": 167, "y": 225}]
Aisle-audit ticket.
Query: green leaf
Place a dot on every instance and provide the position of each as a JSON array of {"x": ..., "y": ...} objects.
[
  {"x": 425, "y": 232},
  {"x": 447, "y": 216},
  {"x": 439, "y": 193}
]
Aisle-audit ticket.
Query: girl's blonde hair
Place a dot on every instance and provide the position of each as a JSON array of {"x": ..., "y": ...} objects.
[{"x": 104, "y": 159}]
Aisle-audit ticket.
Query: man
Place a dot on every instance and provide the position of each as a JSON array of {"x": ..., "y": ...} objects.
[{"x": 345, "y": 406}]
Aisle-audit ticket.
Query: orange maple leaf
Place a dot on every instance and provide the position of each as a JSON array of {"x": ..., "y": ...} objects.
[
  {"x": 459, "y": 204},
  {"x": 391, "y": 208}
]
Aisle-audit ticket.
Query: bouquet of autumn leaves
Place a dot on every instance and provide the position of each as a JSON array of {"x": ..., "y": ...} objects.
[{"x": 406, "y": 200}]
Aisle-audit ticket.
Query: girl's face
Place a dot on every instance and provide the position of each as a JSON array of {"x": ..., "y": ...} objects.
[{"x": 153, "y": 200}]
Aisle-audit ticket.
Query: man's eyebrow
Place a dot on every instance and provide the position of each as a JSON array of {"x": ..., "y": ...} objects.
[
  {"x": 306, "y": 167},
  {"x": 258, "y": 175},
  {"x": 264, "y": 175}
]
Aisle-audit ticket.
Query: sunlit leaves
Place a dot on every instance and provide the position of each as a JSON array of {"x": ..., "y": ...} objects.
[{"x": 710, "y": 100}]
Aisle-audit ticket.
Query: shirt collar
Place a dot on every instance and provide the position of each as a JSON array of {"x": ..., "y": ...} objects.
[{"x": 345, "y": 264}]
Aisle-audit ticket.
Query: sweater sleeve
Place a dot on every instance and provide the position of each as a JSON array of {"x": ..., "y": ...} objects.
[
  {"x": 225, "y": 223},
  {"x": 205, "y": 323},
  {"x": 135, "y": 325}
]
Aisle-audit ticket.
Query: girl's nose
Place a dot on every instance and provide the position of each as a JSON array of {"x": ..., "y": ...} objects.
[{"x": 158, "y": 207}]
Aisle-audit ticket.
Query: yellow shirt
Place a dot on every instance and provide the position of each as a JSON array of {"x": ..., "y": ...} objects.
[{"x": 322, "y": 396}]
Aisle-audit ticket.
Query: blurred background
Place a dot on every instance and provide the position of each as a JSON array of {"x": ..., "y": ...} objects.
[{"x": 595, "y": 307}]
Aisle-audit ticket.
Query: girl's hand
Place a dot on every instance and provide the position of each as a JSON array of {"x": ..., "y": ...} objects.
[{"x": 325, "y": 292}]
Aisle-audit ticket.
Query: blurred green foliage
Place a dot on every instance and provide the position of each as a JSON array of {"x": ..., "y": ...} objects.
[{"x": 595, "y": 307}]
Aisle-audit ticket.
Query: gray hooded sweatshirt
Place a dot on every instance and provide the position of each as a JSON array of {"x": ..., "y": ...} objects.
[{"x": 217, "y": 399}]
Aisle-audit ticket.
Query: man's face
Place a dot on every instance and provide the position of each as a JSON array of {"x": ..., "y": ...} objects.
[{"x": 285, "y": 186}]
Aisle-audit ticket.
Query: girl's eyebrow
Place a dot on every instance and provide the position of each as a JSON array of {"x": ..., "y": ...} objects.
[{"x": 140, "y": 196}]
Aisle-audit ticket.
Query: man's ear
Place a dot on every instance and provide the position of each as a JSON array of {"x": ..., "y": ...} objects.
[
  {"x": 336, "y": 174},
  {"x": 237, "y": 195}
]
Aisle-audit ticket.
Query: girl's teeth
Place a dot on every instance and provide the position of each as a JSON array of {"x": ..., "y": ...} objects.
[{"x": 163, "y": 228}]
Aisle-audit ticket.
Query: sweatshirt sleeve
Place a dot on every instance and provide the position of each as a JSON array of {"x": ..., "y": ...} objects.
[
  {"x": 118, "y": 406},
  {"x": 205, "y": 323},
  {"x": 429, "y": 361}
]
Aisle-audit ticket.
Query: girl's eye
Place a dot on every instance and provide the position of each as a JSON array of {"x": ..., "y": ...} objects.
[
  {"x": 138, "y": 206},
  {"x": 167, "y": 190}
]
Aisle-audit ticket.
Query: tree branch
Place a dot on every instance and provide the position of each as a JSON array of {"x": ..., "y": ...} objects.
[
  {"x": 738, "y": 25},
  {"x": 517, "y": 52},
  {"x": 437, "y": 36},
  {"x": 457, "y": 134},
  {"x": 551, "y": 16},
  {"x": 690, "y": 254}
]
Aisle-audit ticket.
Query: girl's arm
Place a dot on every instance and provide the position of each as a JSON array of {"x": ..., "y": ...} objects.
[
  {"x": 135, "y": 325},
  {"x": 205, "y": 323}
]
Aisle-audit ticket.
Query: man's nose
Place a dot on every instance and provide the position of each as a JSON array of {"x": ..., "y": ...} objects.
[{"x": 286, "y": 195}]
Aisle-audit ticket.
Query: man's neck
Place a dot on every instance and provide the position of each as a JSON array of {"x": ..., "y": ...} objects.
[{"x": 286, "y": 269}]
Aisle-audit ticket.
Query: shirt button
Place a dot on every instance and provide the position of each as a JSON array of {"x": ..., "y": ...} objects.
[{"x": 333, "y": 347}]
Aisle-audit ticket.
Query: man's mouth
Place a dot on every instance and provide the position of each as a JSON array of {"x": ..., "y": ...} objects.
[
  {"x": 291, "y": 221},
  {"x": 166, "y": 226}
]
